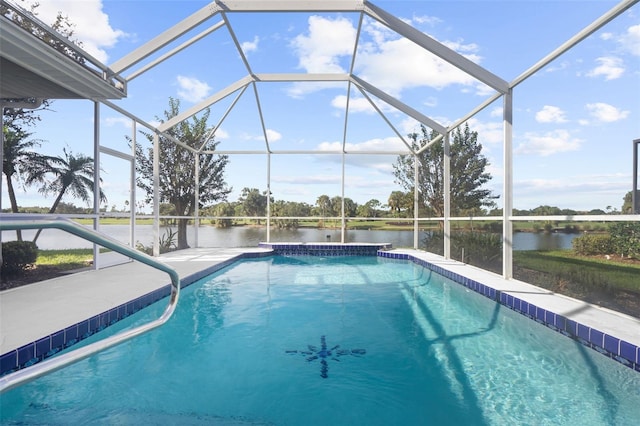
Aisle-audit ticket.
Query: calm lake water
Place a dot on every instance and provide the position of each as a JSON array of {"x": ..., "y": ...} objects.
[{"x": 209, "y": 236}]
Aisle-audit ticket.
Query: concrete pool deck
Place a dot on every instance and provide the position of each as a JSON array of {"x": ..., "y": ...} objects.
[{"x": 31, "y": 312}]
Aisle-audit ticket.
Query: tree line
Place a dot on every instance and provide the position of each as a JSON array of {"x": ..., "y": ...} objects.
[{"x": 73, "y": 174}]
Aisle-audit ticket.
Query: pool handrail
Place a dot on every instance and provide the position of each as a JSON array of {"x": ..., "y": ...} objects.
[{"x": 10, "y": 222}]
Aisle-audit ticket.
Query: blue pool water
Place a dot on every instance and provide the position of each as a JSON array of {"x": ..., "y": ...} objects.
[{"x": 340, "y": 340}]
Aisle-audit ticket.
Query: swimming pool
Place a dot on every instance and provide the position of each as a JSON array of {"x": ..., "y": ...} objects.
[{"x": 311, "y": 340}]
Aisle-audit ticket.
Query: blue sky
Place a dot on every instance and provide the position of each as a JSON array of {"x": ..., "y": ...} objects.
[{"x": 573, "y": 121}]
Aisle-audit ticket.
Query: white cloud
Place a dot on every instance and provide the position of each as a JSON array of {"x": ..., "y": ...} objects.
[
  {"x": 376, "y": 144},
  {"x": 221, "y": 134},
  {"x": 301, "y": 88},
  {"x": 113, "y": 121},
  {"x": 409, "y": 125},
  {"x": 91, "y": 24},
  {"x": 429, "y": 20},
  {"x": 497, "y": 112},
  {"x": 192, "y": 89},
  {"x": 550, "y": 114},
  {"x": 548, "y": 143},
  {"x": 431, "y": 101},
  {"x": 606, "y": 36},
  {"x": 250, "y": 46},
  {"x": 557, "y": 67},
  {"x": 573, "y": 191},
  {"x": 606, "y": 113},
  {"x": 273, "y": 135},
  {"x": 631, "y": 40},
  {"x": 610, "y": 67},
  {"x": 359, "y": 104},
  {"x": 489, "y": 133},
  {"x": 328, "y": 44},
  {"x": 308, "y": 180},
  {"x": 327, "y": 40},
  {"x": 409, "y": 64}
]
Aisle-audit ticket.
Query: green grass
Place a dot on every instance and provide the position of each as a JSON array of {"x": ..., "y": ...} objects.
[
  {"x": 587, "y": 271},
  {"x": 66, "y": 259},
  {"x": 114, "y": 221}
]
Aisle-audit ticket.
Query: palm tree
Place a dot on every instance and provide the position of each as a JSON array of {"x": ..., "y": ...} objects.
[
  {"x": 19, "y": 161},
  {"x": 72, "y": 173}
]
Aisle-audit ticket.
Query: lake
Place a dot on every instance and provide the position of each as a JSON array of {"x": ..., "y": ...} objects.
[{"x": 209, "y": 236}]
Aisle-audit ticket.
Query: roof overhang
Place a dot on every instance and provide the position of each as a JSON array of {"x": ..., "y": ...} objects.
[{"x": 30, "y": 68}]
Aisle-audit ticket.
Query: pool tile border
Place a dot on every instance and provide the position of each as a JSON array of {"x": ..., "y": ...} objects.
[
  {"x": 48, "y": 346},
  {"x": 325, "y": 249},
  {"x": 619, "y": 350}
]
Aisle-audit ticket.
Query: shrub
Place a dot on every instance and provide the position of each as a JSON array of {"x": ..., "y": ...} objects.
[
  {"x": 17, "y": 255},
  {"x": 590, "y": 244},
  {"x": 571, "y": 229},
  {"x": 625, "y": 238},
  {"x": 167, "y": 243}
]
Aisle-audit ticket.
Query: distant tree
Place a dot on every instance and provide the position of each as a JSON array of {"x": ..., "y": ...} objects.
[
  {"x": 468, "y": 172},
  {"x": 335, "y": 203},
  {"x": 323, "y": 203},
  {"x": 253, "y": 202},
  {"x": 518, "y": 212},
  {"x": 369, "y": 209},
  {"x": 222, "y": 210},
  {"x": 350, "y": 207},
  {"x": 336, "y": 206},
  {"x": 396, "y": 202},
  {"x": 71, "y": 174},
  {"x": 177, "y": 174},
  {"x": 288, "y": 209},
  {"x": 546, "y": 211},
  {"x": 401, "y": 204},
  {"x": 300, "y": 209},
  {"x": 70, "y": 208},
  {"x": 568, "y": 212},
  {"x": 627, "y": 207}
]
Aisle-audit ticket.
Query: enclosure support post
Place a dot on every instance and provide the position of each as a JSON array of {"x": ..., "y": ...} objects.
[
  {"x": 132, "y": 188},
  {"x": 635, "y": 202},
  {"x": 447, "y": 195},
  {"x": 96, "y": 180},
  {"x": 1, "y": 166},
  {"x": 156, "y": 195},
  {"x": 343, "y": 222},
  {"x": 507, "y": 211},
  {"x": 416, "y": 215},
  {"x": 268, "y": 197},
  {"x": 196, "y": 220}
]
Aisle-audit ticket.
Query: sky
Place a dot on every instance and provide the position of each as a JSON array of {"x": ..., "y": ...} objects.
[{"x": 573, "y": 121}]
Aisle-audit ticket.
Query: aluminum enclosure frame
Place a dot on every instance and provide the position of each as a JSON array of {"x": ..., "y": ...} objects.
[{"x": 222, "y": 8}]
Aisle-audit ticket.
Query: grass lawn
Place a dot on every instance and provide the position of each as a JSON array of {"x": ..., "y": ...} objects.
[
  {"x": 66, "y": 259},
  {"x": 114, "y": 221},
  {"x": 590, "y": 271}
]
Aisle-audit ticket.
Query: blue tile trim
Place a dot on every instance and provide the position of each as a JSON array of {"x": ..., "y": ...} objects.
[
  {"x": 305, "y": 249},
  {"x": 621, "y": 351}
]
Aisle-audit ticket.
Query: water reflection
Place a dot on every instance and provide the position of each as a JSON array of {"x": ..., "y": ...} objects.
[{"x": 250, "y": 236}]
